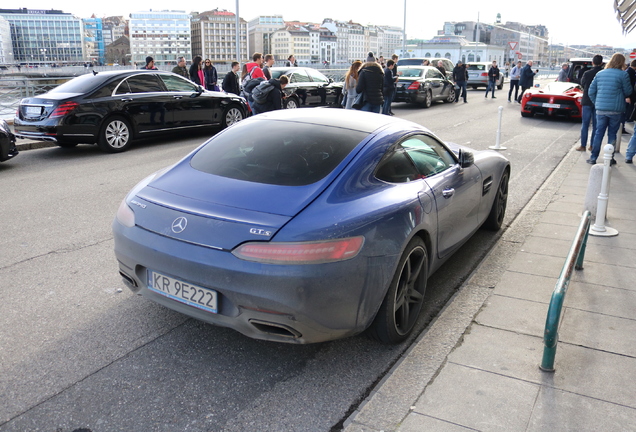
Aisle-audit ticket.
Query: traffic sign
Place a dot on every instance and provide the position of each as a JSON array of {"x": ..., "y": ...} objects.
[
  {"x": 513, "y": 45},
  {"x": 632, "y": 55}
]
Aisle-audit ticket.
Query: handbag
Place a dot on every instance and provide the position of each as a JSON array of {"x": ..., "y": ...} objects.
[{"x": 358, "y": 102}]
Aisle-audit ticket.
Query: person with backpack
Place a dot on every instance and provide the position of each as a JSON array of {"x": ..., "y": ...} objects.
[
  {"x": 252, "y": 76},
  {"x": 268, "y": 95}
]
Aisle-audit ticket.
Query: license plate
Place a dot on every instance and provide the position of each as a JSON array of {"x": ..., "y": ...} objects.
[
  {"x": 33, "y": 111},
  {"x": 193, "y": 295},
  {"x": 549, "y": 105}
]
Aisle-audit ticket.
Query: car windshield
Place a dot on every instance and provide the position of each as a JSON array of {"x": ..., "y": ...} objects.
[
  {"x": 273, "y": 152},
  {"x": 411, "y": 73},
  {"x": 561, "y": 87},
  {"x": 477, "y": 67},
  {"x": 81, "y": 84}
]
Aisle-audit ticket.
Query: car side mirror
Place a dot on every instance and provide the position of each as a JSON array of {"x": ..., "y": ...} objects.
[
  {"x": 198, "y": 91},
  {"x": 466, "y": 158}
]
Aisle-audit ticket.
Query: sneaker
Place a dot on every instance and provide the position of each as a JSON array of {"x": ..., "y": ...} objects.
[
  {"x": 465, "y": 101},
  {"x": 628, "y": 161},
  {"x": 613, "y": 162},
  {"x": 580, "y": 148},
  {"x": 591, "y": 161},
  {"x": 494, "y": 97},
  {"x": 509, "y": 101}
]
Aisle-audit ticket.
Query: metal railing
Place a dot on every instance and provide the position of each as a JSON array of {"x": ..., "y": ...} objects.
[{"x": 573, "y": 261}]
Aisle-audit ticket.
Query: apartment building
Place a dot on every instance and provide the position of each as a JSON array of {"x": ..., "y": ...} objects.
[
  {"x": 214, "y": 36},
  {"x": 164, "y": 35}
]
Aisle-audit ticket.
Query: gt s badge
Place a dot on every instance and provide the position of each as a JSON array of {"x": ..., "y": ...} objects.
[{"x": 261, "y": 232}]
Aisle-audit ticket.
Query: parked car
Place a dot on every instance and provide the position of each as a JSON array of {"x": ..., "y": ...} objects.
[
  {"x": 308, "y": 86},
  {"x": 578, "y": 66},
  {"x": 304, "y": 226},
  {"x": 423, "y": 85},
  {"x": 113, "y": 108},
  {"x": 555, "y": 99},
  {"x": 478, "y": 75},
  {"x": 8, "y": 148}
]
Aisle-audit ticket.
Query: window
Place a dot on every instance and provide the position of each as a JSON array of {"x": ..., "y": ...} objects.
[
  {"x": 178, "y": 84},
  {"x": 434, "y": 74},
  {"x": 142, "y": 83}
]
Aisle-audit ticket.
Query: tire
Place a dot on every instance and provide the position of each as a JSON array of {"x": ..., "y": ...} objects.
[
  {"x": 401, "y": 307},
  {"x": 291, "y": 103},
  {"x": 498, "y": 209},
  {"x": 500, "y": 86},
  {"x": 451, "y": 96},
  {"x": 525, "y": 114},
  {"x": 233, "y": 114},
  {"x": 428, "y": 99},
  {"x": 115, "y": 135}
]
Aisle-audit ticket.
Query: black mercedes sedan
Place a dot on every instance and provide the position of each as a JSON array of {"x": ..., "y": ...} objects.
[
  {"x": 112, "y": 109},
  {"x": 308, "y": 86},
  {"x": 423, "y": 85},
  {"x": 8, "y": 148}
]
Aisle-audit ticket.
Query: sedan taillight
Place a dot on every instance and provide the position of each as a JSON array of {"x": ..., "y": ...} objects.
[
  {"x": 414, "y": 85},
  {"x": 301, "y": 252},
  {"x": 63, "y": 109}
]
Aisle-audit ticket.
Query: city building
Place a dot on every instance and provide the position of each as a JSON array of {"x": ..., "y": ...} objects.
[
  {"x": 454, "y": 48},
  {"x": 113, "y": 28},
  {"x": 301, "y": 41},
  {"x": 260, "y": 31},
  {"x": 328, "y": 46},
  {"x": 118, "y": 52},
  {"x": 44, "y": 36},
  {"x": 94, "y": 40},
  {"x": 351, "y": 40},
  {"x": 214, "y": 36},
  {"x": 6, "y": 49},
  {"x": 163, "y": 35}
]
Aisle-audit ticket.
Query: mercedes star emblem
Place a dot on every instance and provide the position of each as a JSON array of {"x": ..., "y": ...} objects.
[{"x": 179, "y": 225}]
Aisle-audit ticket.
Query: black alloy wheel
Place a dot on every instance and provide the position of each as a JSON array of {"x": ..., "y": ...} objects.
[
  {"x": 403, "y": 302},
  {"x": 498, "y": 209}
]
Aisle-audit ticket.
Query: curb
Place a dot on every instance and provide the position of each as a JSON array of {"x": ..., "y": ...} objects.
[{"x": 394, "y": 398}]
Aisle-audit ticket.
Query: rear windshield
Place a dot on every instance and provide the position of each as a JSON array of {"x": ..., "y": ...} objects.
[
  {"x": 81, "y": 84},
  {"x": 477, "y": 67},
  {"x": 278, "y": 153},
  {"x": 411, "y": 73},
  {"x": 406, "y": 62}
]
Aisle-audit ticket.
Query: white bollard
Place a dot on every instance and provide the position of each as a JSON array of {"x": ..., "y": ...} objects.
[
  {"x": 497, "y": 145},
  {"x": 599, "y": 229}
]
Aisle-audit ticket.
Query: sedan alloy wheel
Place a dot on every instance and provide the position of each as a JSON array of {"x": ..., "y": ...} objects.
[
  {"x": 232, "y": 115},
  {"x": 115, "y": 136}
]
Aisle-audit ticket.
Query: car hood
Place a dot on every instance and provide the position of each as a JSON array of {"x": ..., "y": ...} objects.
[{"x": 221, "y": 212}]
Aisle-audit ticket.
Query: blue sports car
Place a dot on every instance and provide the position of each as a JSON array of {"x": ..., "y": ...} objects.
[{"x": 303, "y": 226}]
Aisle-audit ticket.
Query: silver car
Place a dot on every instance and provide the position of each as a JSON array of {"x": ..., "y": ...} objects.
[{"x": 478, "y": 75}]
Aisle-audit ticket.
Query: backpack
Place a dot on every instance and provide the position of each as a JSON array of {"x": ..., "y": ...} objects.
[
  {"x": 251, "y": 84},
  {"x": 260, "y": 92}
]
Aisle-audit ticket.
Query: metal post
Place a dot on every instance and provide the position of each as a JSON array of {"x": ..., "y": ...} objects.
[
  {"x": 497, "y": 145},
  {"x": 599, "y": 229}
]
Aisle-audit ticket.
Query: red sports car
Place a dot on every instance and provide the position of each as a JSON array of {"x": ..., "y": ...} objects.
[{"x": 555, "y": 99}]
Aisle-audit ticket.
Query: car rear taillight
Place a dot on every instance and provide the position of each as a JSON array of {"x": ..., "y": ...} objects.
[
  {"x": 301, "y": 252},
  {"x": 414, "y": 85},
  {"x": 484, "y": 74},
  {"x": 63, "y": 109}
]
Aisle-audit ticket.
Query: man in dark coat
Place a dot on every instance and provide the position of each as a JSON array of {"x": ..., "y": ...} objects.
[
  {"x": 589, "y": 111},
  {"x": 274, "y": 98},
  {"x": 460, "y": 76},
  {"x": 388, "y": 87},
  {"x": 231, "y": 80},
  {"x": 493, "y": 77},
  {"x": 526, "y": 80},
  {"x": 180, "y": 68},
  {"x": 370, "y": 82}
]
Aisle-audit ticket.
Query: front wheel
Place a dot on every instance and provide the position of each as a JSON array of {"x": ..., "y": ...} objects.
[
  {"x": 232, "y": 115},
  {"x": 498, "y": 209},
  {"x": 451, "y": 96},
  {"x": 115, "y": 136},
  {"x": 291, "y": 103},
  {"x": 403, "y": 302}
]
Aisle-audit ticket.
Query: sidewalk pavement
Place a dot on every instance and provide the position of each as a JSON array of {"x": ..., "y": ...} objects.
[{"x": 477, "y": 366}]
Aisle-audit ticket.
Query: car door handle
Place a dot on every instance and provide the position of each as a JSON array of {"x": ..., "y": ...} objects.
[
  {"x": 126, "y": 99},
  {"x": 177, "y": 97},
  {"x": 447, "y": 193}
]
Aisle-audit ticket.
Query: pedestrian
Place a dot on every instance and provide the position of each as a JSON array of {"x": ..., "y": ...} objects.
[
  {"x": 350, "y": 83},
  {"x": 460, "y": 76},
  {"x": 211, "y": 76},
  {"x": 180, "y": 68},
  {"x": 382, "y": 62},
  {"x": 274, "y": 100},
  {"x": 252, "y": 71},
  {"x": 425, "y": 62},
  {"x": 526, "y": 80},
  {"x": 291, "y": 61},
  {"x": 493, "y": 78},
  {"x": 231, "y": 80},
  {"x": 196, "y": 73},
  {"x": 588, "y": 113},
  {"x": 150, "y": 64},
  {"x": 370, "y": 83},
  {"x": 396, "y": 75},
  {"x": 631, "y": 72},
  {"x": 515, "y": 74},
  {"x": 609, "y": 91},
  {"x": 388, "y": 87},
  {"x": 441, "y": 68},
  {"x": 371, "y": 58},
  {"x": 269, "y": 62},
  {"x": 563, "y": 73}
]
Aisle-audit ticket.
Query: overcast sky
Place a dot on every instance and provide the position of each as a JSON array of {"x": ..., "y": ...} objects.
[{"x": 568, "y": 23}]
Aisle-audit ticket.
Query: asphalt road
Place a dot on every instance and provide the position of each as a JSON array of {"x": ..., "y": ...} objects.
[{"x": 79, "y": 350}]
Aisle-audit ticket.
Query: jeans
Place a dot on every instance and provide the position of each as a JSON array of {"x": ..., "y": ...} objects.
[
  {"x": 461, "y": 92},
  {"x": 523, "y": 89},
  {"x": 514, "y": 84},
  {"x": 493, "y": 85},
  {"x": 588, "y": 114},
  {"x": 603, "y": 121},
  {"x": 631, "y": 148},
  {"x": 371, "y": 108},
  {"x": 388, "y": 98}
]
